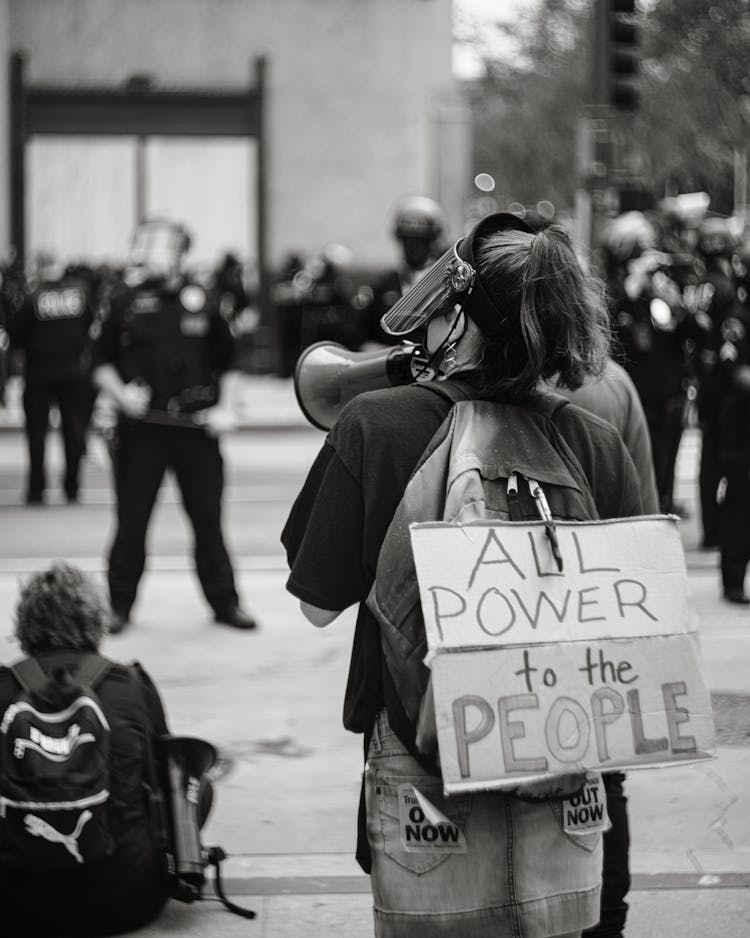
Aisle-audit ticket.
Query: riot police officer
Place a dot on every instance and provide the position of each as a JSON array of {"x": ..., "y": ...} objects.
[
  {"x": 51, "y": 329},
  {"x": 734, "y": 450},
  {"x": 325, "y": 291},
  {"x": 419, "y": 228},
  {"x": 711, "y": 302},
  {"x": 4, "y": 344},
  {"x": 162, "y": 354},
  {"x": 651, "y": 327}
]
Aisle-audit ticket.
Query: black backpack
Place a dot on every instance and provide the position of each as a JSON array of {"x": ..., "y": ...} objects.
[{"x": 54, "y": 769}]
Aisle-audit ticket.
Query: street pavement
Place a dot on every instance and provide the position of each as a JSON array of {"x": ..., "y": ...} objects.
[{"x": 288, "y": 779}]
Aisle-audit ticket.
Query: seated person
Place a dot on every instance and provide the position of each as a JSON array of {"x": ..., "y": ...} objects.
[{"x": 60, "y": 620}]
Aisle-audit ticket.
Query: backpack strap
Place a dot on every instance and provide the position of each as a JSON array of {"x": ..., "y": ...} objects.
[
  {"x": 29, "y": 674},
  {"x": 452, "y": 389},
  {"x": 455, "y": 390},
  {"x": 32, "y": 677},
  {"x": 548, "y": 403},
  {"x": 155, "y": 798},
  {"x": 92, "y": 669}
]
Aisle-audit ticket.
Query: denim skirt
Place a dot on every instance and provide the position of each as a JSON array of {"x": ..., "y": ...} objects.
[{"x": 470, "y": 865}]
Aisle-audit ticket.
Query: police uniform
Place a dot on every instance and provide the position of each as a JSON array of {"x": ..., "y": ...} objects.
[
  {"x": 4, "y": 348},
  {"x": 734, "y": 453},
  {"x": 174, "y": 340},
  {"x": 326, "y": 311},
  {"x": 711, "y": 302},
  {"x": 654, "y": 359},
  {"x": 52, "y": 330}
]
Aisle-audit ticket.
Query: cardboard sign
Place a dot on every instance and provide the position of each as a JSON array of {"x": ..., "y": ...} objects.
[
  {"x": 537, "y": 672},
  {"x": 508, "y": 714},
  {"x": 496, "y": 583}
]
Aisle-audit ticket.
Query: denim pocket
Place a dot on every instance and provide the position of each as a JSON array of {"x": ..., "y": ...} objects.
[
  {"x": 587, "y": 841},
  {"x": 384, "y": 826}
]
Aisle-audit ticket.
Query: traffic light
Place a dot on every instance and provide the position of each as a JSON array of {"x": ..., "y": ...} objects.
[{"x": 621, "y": 54}]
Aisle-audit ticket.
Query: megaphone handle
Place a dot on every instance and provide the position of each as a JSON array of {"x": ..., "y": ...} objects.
[{"x": 215, "y": 856}]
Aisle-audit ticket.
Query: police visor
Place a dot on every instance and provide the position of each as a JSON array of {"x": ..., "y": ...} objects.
[{"x": 452, "y": 280}]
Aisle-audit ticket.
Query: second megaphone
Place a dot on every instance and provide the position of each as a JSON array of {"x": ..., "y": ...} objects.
[
  {"x": 327, "y": 376},
  {"x": 186, "y": 760}
]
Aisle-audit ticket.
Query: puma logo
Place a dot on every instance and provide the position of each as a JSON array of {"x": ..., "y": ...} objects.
[
  {"x": 38, "y": 827},
  {"x": 54, "y": 748},
  {"x": 63, "y": 746}
]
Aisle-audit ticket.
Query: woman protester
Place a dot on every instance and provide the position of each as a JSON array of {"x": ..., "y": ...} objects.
[
  {"x": 71, "y": 862},
  {"x": 504, "y": 311}
]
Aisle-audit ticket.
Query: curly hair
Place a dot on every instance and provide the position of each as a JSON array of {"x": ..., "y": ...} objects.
[
  {"x": 60, "y": 607},
  {"x": 557, "y": 320}
]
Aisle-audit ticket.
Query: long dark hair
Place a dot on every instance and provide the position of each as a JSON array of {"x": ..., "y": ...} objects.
[{"x": 555, "y": 316}]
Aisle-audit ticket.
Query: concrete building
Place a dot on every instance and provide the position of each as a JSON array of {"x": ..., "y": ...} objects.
[{"x": 268, "y": 126}]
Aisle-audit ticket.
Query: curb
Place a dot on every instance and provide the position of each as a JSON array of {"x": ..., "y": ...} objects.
[{"x": 360, "y": 885}]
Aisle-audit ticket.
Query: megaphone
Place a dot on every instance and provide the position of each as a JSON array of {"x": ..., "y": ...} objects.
[
  {"x": 185, "y": 761},
  {"x": 327, "y": 376}
]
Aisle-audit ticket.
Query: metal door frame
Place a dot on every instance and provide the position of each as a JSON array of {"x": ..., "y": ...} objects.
[{"x": 140, "y": 110}]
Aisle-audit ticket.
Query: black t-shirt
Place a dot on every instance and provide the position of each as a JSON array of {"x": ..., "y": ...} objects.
[{"x": 337, "y": 524}]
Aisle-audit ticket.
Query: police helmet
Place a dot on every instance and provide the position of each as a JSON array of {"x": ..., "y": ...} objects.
[
  {"x": 417, "y": 216},
  {"x": 629, "y": 235},
  {"x": 158, "y": 245},
  {"x": 329, "y": 262}
]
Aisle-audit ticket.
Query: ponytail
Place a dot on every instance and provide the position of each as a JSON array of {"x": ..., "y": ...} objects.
[{"x": 556, "y": 318}]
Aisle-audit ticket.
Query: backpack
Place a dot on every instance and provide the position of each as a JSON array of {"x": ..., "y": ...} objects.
[
  {"x": 54, "y": 769},
  {"x": 488, "y": 461}
]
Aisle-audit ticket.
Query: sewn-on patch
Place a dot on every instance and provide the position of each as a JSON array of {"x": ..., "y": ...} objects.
[{"x": 146, "y": 303}]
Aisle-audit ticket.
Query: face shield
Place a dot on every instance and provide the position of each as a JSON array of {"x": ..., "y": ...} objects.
[
  {"x": 452, "y": 280},
  {"x": 158, "y": 247}
]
